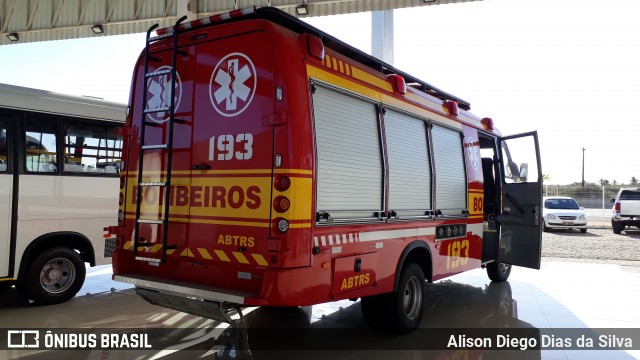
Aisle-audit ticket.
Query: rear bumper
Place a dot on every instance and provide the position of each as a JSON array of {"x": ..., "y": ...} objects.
[
  {"x": 627, "y": 221},
  {"x": 209, "y": 302}
]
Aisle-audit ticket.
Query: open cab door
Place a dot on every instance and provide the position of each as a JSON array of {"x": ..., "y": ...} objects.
[{"x": 521, "y": 200}]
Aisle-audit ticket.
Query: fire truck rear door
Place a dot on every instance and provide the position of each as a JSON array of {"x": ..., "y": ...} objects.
[
  {"x": 234, "y": 95},
  {"x": 520, "y": 217}
]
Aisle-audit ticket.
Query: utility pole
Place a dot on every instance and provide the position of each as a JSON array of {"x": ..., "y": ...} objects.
[{"x": 583, "y": 149}]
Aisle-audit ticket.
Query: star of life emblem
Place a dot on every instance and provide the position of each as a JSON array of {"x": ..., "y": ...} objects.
[
  {"x": 233, "y": 84},
  {"x": 159, "y": 95},
  {"x": 473, "y": 148}
]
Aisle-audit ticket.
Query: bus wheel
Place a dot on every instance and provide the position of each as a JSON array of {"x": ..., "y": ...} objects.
[
  {"x": 498, "y": 271},
  {"x": 55, "y": 276}
]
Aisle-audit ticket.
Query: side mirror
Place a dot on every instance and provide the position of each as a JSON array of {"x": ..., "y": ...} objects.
[
  {"x": 524, "y": 171},
  {"x": 612, "y": 201}
]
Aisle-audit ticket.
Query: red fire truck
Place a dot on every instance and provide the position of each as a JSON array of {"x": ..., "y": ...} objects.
[{"x": 269, "y": 164}]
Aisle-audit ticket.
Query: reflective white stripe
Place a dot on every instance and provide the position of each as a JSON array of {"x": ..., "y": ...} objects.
[
  {"x": 330, "y": 239},
  {"x": 324, "y": 240},
  {"x": 427, "y": 231},
  {"x": 350, "y": 238},
  {"x": 393, "y": 234},
  {"x": 315, "y": 241}
]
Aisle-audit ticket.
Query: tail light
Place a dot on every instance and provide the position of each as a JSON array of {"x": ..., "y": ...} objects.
[
  {"x": 282, "y": 183},
  {"x": 616, "y": 207},
  {"x": 281, "y": 204}
]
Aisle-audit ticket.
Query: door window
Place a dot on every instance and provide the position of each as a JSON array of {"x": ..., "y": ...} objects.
[{"x": 40, "y": 144}]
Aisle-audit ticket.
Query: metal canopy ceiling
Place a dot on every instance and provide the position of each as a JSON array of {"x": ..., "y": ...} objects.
[{"x": 44, "y": 20}]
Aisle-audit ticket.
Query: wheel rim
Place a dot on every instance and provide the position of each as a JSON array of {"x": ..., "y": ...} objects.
[
  {"x": 57, "y": 275},
  {"x": 504, "y": 267},
  {"x": 412, "y": 299}
]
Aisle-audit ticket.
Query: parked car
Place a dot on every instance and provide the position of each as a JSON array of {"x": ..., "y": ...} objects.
[
  {"x": 563, "y": 212},
  {"x": 626, "y": 209}
]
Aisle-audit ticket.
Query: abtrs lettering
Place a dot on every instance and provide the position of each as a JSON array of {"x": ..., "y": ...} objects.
[{"x": 201, "y": 196}]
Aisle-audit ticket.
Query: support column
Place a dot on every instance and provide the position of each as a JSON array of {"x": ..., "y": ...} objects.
[{"x": 382, "y": 35}]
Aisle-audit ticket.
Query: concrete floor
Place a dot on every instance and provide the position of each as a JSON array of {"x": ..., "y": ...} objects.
[{"x": 560, "y": 295}]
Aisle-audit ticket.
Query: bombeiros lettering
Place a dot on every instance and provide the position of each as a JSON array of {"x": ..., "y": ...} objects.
[{"x": 234, "y": 197}]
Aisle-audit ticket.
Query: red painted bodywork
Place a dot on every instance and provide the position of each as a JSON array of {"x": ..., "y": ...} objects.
[{"x": 284, "y": 270}]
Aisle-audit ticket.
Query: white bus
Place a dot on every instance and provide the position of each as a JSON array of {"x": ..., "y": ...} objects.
[{"x": 59, "y": 182}]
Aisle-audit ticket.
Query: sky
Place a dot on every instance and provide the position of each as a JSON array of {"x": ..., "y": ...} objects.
[{"x": 569, "y": 69}]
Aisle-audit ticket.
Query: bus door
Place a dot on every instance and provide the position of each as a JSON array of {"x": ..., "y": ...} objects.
[
  {"x": 6, "y": 191},
  {"x": 521, "y": 200}
]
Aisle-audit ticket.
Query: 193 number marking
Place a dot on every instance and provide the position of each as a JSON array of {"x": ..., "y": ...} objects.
[
  {"x": 457, "y": 253},
  {"x": 228, "y": 147}
]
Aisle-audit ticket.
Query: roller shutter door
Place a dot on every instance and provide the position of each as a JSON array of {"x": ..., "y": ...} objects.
[
  {"x": 349, "y": 169},
  {"x": 451, "y": 182},
  {"x": 409, "y": 165}
]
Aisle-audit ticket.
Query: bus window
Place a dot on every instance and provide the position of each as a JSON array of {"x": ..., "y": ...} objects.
[
  {"x": 40, "y": 144},
  {"x": 91, "y": 149}
]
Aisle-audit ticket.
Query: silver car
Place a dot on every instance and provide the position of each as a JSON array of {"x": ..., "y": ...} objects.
[{"x": 563, "y": 212}]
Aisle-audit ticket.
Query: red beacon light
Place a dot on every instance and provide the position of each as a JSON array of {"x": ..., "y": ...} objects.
[
  {"x": 487, "y": 123},
  {"x": 315, "y": 47},
  {"x": 452, "y": 107},
  {"x": 398, "y": 83}
]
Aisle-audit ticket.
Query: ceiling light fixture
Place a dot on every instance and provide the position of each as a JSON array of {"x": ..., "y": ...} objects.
[{"x": 97, "y": 29}]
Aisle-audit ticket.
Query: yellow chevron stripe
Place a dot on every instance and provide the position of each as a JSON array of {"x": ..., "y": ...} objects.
[
  {"x": 204, "y": 253},
  {"x": 221, "y": 254},
  {"x": 259, "y": 259},
  {"x": 240, "y": 257}
]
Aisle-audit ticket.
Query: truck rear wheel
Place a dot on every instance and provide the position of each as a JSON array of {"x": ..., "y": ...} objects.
[
  {"x": 617, "y": 227},
  {"x": 498, "y": 271},
  {"x": 402, "y": 310},
  {"x": 409, "y": 300},
  {"x": 55, "y": 276}
]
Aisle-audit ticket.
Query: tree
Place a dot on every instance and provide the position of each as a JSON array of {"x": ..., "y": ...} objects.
[
  {"x": 546, "y": 177},
  {"x": 634, "y": 181},
  {"x": 614, "y": 182},
  {"x": 604, "y": 182}
]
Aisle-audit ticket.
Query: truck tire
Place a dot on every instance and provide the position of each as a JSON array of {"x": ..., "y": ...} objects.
[
  {"x": 400, "y": 311},
  {"x": 408, "y": 301},
  {"x": 54, "y": 276},
  {"x": 498, "y": 271},
  {"x": 617, "y": 227}
]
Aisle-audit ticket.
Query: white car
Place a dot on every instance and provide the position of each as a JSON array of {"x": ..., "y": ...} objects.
[{"x": 563, "y": 212}]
